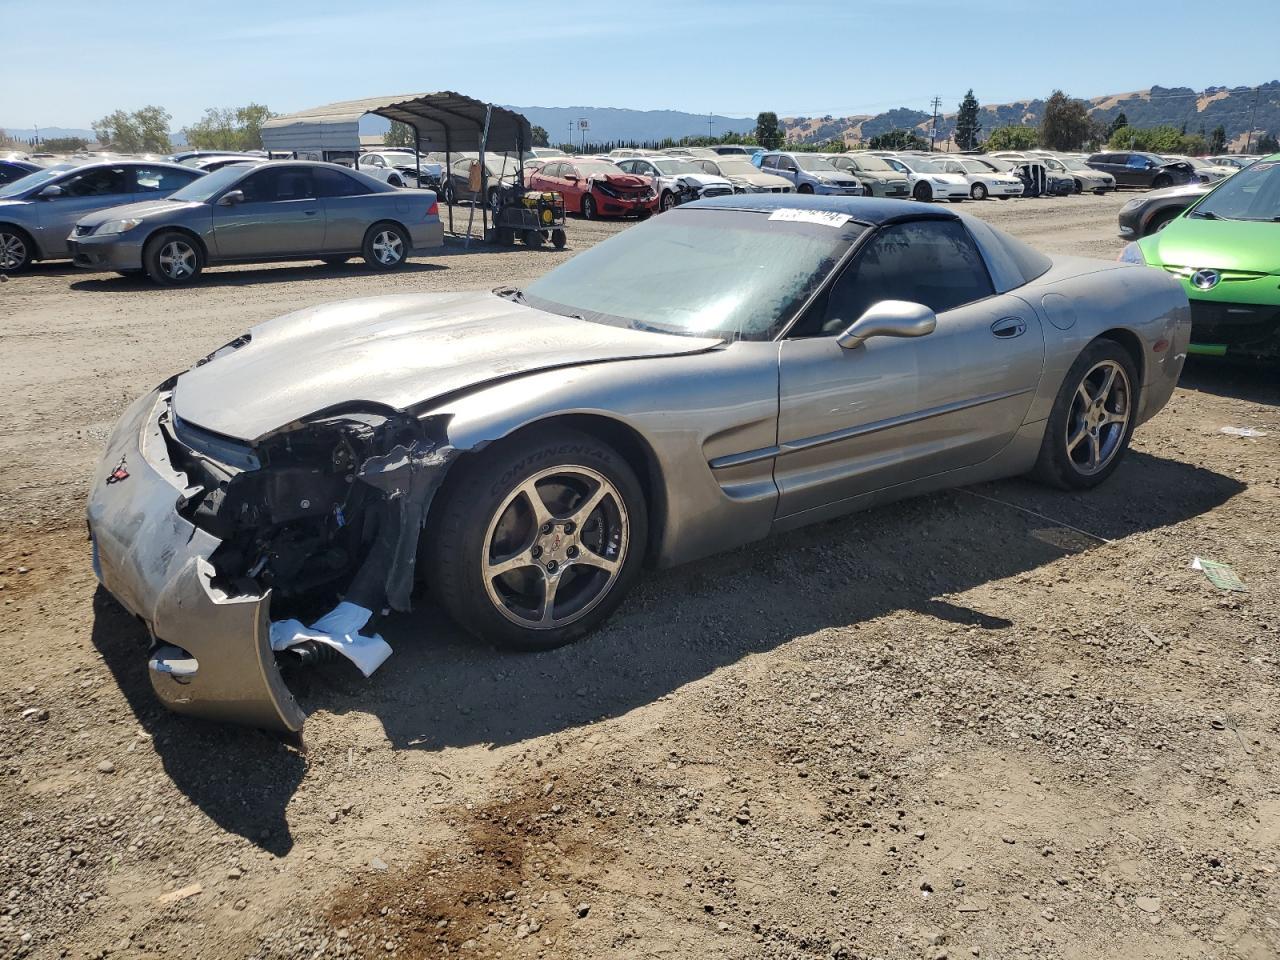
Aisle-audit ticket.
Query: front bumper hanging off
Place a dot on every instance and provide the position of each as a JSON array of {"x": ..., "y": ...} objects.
[{"x": 156, "y": 564}]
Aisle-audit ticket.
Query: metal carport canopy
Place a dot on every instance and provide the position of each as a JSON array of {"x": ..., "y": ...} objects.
[{"x": 444, "y": 121}]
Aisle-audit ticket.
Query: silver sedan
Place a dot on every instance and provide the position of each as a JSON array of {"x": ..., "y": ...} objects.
[{"x": 738, "y": 367}]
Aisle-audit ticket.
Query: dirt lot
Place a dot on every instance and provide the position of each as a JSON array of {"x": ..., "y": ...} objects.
[{"x": 951, "y": 727}]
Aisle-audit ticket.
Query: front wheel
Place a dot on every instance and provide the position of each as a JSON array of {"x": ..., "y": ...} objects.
[
  {"x": 172, "y": 259},
  {"x": 588, "y": 207},
  {"x": 16, "y": 251},
  {"x": 386, "y": 246},
  {"x": 923, "y": 192},
  {"x": 536, "y": 540},
  {"x": 1092, "y": 419},
  {"x": 805, "y": 188},
  {"x": 978, "y": 191},
  {"x": 1161, "y": 182},
  {"x": 667, "y": 202}
]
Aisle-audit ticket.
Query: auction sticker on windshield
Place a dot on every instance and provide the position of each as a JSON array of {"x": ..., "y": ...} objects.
[{"x": 827, "y": 218}]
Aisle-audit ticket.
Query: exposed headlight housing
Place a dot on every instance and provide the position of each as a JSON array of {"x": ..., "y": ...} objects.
[
  {"x": 118, "y": 226},
  {"x": 1133, "y": 204},
  {"x": 1132, "y": 253}
]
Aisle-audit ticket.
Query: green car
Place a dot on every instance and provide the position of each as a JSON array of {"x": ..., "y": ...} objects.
[{"x": 1226, "y": 251}]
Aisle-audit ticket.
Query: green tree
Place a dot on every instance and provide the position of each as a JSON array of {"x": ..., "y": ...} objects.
[
  {"x": 400, "y": 135},
  {"x": 1267, "y": 143},
  {"x": 1218, "y": 140},
  {"x": 228, "y": 128},
  {"x": 967, "y": 124},
  {"x": 898, "y": 140},
  {"x": 143, "y": 131},
  {"x": 768, "y": 130},
  {"x": 1012, "y": 138},
  {"x": 540, "y": 136},
  {"x": 64, "y": 144},
  {"x": 1065, "y": 124}
]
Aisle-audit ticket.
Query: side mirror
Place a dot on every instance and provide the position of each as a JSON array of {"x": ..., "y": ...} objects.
[
  {"x": 889, "y": 318},
  {"x": 49, "y": 192},
  {"x": 231, "y": 198}
]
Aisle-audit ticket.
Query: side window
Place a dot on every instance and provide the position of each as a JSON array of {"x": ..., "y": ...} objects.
[
  {"x": 278, "y": 184},
  {"x": 767, "y": 162},
  {"x": 933, "y": 262},
  {"x": 103, "y": 182},
  {"x": 335, "y": 183},
  {"x": 372, "y": 160},
  {"x": 1137, "y": 162},
  {"x": 709, "y": 166},
  {"x": 161, "y": 179},
  {"x": 628, "y": 166}
]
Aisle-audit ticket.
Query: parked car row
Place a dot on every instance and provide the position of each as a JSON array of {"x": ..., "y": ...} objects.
[{"x": 170, "y": 220}]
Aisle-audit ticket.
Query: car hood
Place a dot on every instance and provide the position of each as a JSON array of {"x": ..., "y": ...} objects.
[
  {"x": 761, "y": 179},
  {"x": 879, "y": 175},
  {"x": 629, "y": 181},
  {"x": 141, "y": 211},
  {"x": 703, "y": 179},
  {"x": 1228, "y": 245},
  {"x": 395, "y": 351}
]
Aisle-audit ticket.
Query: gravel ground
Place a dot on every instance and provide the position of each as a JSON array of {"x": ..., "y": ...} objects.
[{"x": 996, "y": 722}]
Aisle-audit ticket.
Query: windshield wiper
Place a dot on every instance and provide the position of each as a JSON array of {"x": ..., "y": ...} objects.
[
  {"x": 1204, "y": 215},
  {"x": 514, "y": 294}
]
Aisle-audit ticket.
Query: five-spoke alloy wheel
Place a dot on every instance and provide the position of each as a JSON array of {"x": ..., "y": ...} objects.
[
  {"x": 1092, "y": 418},
  {"x": 535, "y": 540}
]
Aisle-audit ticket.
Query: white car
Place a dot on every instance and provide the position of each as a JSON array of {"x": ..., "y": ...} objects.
[
  {"x": 397, "y": 167},
  {"x": 1207, "y": 172},
  {"x": 931, "y": 182},
  {"x": 983, "y": 181},
  {"x": 677, "y": 179},
  {"x": 1084, "y": 178}
]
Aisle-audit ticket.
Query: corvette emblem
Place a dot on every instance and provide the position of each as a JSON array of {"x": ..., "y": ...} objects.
[
  {"x": 120, "y": 473},
  {"x": 1205, "y": 279}
]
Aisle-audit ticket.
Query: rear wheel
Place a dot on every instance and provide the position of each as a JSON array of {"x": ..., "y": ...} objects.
[
  {"x": 1092, "y": 419},
  {"x": 588, "y": 207},
  {"x": 172, "y": 259},
  {"x": 16, "y": 250},
  {"x": 558, "y": 239},
  {"x": 446, "y": 193},
  {"x": 537, "y": 539},
  {"x": 386, "y": 246},
  {"x": 978, "y": 191}
]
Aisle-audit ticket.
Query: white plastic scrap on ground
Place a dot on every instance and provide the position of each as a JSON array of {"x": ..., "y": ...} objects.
[
  {"x": 1219, "y": 574},
  {"x": 340, "y": 629},
  {"x": 1242, "y": 432}
]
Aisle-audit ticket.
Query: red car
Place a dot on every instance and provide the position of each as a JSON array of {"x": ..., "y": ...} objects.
[{"x": 595, "y": 188}]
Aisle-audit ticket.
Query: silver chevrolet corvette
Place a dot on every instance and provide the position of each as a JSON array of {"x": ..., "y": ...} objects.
[{"x": 736, "y": 367}]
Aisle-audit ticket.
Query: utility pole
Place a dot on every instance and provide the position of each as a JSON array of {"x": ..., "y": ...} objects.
[
  {"x": 1252, "y": 116},
  {"x": 571, "y": 132},
  {"x": 933, "y": 135},
  {"x": 711, "y": 119}
]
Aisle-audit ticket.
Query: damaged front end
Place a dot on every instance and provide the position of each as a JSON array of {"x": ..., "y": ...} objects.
[{"x": 228, "y": 549}]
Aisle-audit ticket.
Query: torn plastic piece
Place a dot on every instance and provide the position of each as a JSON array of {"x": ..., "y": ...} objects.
[
  {"x": 409, "y": 478},
  {"x": 340, "y": 629},
  {"x": 1242, "y": 432},
  {"x": 1219, "y": 574}
]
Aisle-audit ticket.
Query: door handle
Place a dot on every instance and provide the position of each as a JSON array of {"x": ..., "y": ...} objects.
[
  {"x": 310, "y": 213},
  {"x": 1009, "y": 327}
]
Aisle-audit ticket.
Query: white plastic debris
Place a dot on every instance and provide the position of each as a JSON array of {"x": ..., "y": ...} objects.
[
  {"x": 340, "y": 629},
  {"x": 1242, "y": 432}
]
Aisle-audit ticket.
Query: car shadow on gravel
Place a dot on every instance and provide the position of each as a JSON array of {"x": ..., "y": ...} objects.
[
  {"x": 1254, "y": 383},
  {"x": 241, "y": 779},
  {"x": 250, "y": 276},
  {"x": 441, "y": 689}
]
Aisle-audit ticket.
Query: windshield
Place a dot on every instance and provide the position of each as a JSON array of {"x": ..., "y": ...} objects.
[
  {"x": 973, "y": 166},
  {"x": 919, "y": 165},
  {"x": 674, "y": 167},
  {"x": 807, "y": 161},
  {"x": 1251, "y": 194},
  {"x": 735, "y": 168},
  {"x": 596, "y": 168},
  {"x": 205, "y": 187},
  {"x": 1073, "y": 164},
  {"x": 725, "y": 273},
  {"x": 23, "y": 184}
]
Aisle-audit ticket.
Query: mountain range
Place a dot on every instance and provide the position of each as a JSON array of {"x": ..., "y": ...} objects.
[{"x": 1236, "y": 109}]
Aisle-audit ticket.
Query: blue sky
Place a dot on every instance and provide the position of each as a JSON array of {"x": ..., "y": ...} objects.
[{"x": 78, "y": 60}]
